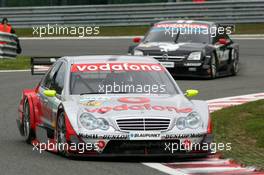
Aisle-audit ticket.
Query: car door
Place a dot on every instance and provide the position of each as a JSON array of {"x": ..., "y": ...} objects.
[
  {"x": 222, "y": 50},
  {"x": 46, "y": 84},
  {"x": 58, "y": 85}
]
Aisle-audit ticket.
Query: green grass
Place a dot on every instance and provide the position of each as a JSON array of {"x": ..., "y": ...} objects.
[
  {"x": 141, "y": 30},
  {"x": 21, "y": 62},
  {"x": 243, "y": 127},
  {"x": 249, "y": 28}
]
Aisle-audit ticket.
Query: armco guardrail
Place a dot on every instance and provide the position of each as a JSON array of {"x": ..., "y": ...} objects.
[
  {"x": 233, "y": 11},
  {"x": 8, "y": 45}
]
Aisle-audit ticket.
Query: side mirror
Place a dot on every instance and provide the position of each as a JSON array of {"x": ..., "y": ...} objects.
[
  {"x": 50, "y": 93},
  {"x": 136, "y": 40},
  {"x": 223, "y": 41},
  {"x": 191, "y": 92}
]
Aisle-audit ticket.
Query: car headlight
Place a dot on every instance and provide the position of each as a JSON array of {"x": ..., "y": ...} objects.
[
  {"x": 102, "y": 124},
  {"x": 195, "y": 56},
  {"x": 181, "y": 124},
  {"x": 89, "y": 122},
  {"x": 138, "y": 53},
  {"x": 192, "y": 121}
]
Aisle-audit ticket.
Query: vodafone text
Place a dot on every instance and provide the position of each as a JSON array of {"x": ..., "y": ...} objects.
[{"x": 116, "y": 67}]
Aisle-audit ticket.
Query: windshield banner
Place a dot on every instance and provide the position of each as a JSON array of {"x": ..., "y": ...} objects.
[{"x": 116, "y": 67}]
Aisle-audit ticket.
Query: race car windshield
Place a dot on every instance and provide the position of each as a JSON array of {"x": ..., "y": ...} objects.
[
  {"x": 177, "y": 34},
  {"x": 116, "y": 80}
]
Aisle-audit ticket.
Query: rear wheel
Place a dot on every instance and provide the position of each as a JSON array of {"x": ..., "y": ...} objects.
[
  {"x": 213, "y": 67},
  {"x": 235, "y": 65},
  {"x": 28, "y": 132}
]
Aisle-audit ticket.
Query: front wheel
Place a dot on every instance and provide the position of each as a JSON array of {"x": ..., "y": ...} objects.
[
  {"x": 61, "y": 135},
  {"x": 28, "y": 132},
  {"x": 235, "y": 63}
]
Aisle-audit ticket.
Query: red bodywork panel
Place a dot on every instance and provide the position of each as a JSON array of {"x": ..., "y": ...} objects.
[
  {"x": 34, "y": 105},
  {"x": 36, "y": 112}
]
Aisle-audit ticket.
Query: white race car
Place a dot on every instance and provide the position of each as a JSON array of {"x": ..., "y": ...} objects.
[{"x": 113, "y": 105}]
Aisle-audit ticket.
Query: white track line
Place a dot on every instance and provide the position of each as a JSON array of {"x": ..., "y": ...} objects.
[
  {"x": 165, "y": 169},
  {"x": 37, "y": 68},
  {"x": 217, "y": 161},
  {"x": 8, "y": 71},
  {"x": 239, "y": 37},
  {"x": 212, "y": 170}
]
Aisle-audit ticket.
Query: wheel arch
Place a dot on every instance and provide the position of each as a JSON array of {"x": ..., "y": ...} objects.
[
  {"x": 215, "y": 55},
  {"x": 210, "y": 51},
  {"x": 30, "y": 96},
  {"x": 60, "y": 109},
  {"x": 69, "y": 128}
]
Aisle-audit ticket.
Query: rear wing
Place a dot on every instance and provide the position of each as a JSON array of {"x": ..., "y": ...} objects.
[{"x": 40, "y": 65}]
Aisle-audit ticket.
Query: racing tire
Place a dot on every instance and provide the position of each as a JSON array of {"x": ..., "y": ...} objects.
[
  {"x": 213, "y": 67},
  {"x": 61, "y": 135},
  {"x": 235, "y": 63},
  {"x": 29, "y": 134}
]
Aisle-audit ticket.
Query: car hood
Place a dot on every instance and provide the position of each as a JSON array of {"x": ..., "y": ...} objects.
[
  {"x": 113, "y": 107},
  {"x": 125, "y": 106},
  {"x": 170, "y": 47},
  {"x": 130, "y": 105}
]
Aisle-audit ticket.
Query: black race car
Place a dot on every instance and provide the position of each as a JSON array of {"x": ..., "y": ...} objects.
[{"x": 191, "y": 48}]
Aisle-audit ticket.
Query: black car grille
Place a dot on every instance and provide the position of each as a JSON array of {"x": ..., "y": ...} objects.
[
  {"x": 171, "y": 56},
  {"x": 143, "y": 124}
]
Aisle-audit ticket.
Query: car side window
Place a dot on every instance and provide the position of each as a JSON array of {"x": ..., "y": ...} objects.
[
  {"x": 226, "y": 36},
  {"x": 218, "y": 36},
  {"x": 58, "y": 84},
  {"x": 47, "y": 82}
]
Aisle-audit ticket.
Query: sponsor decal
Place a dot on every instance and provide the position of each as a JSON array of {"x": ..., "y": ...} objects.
[
  {"x": 192, "y": 64},
  {"x": 184, "y": 25},
  {"x": 165, "y": 47},
  {"x": 85, "y": 98},
  {"x": 134, "y": 100},
  {"x": 139, "y": 103},
  {"x": 180, "y": 136},
  {"x": 116, "y": 67},
  {"x": 141, "y": 107},
  {"x": 144, "y": 136},
  {"x": 168, "y": 47},
  {"x": 91, "y": 103},
  {"x": 107, "y": 137},
  {"x": 168, "y": 64}
]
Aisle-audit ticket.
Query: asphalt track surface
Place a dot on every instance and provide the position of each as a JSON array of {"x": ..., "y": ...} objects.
[{"x": 17, "y": 157}]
